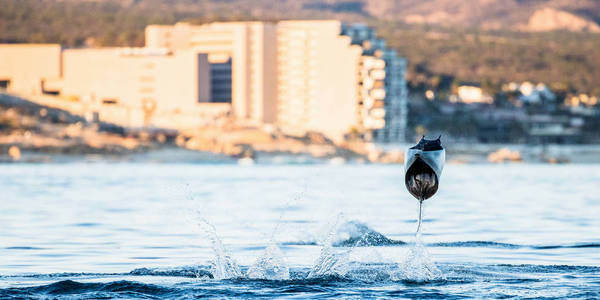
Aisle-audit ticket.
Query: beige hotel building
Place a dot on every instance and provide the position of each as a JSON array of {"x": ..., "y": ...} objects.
[{"x": 300, "y": 76}]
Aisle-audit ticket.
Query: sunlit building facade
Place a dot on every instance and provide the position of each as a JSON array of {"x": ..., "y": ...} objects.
[
  {"x": 318, "y": 75},
  {"x": 132, "y": 87},
  {"x": 135, "y": 77},
  {"x": 24, "y": 67},
  {"x": 301, "y": 76},
  {"x": 387, "y": 84},
  {"x": 243, "y": 62}
]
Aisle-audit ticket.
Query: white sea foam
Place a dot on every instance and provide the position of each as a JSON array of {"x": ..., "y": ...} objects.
[
  {"x": 270, "y": 265},
  {"x": 331, "y": 262},
  {"x": 222, "y": 266},
  {"x": 417, "y": 266}
]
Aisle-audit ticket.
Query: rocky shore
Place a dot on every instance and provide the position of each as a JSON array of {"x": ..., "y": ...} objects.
[{"x": 34, "y": 133}]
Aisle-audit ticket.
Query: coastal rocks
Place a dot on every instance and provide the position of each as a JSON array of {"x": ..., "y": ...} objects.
[
  {"x": 548, "y": 19},
  {"x": 33, "y": 133},
  {"x": 14, "y": 152},
  {"x": 47, "y": 132},
  {"x": 255, "y": 142},
  {"x": 504, "y": 155}
]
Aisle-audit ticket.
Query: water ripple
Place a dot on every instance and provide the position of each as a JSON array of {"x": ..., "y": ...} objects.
[{"x": 501, "y": 280}]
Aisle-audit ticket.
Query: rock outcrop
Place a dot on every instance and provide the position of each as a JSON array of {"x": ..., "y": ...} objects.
[{"x": 549, "y": 19}]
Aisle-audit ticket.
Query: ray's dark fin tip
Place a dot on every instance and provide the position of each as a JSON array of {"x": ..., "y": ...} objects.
[{"x": 429, "y": 145}]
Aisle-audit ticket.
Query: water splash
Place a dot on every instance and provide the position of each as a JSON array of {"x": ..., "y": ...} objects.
[
  {"x": 347, "y": 261},
  {"x": 222, "y": 266},
  {"x": 420, "y": 221},
  {"x": 357, "y": 234},
  {"x": 418, "y": 266},
  {"x": 270, "y": 265},
  {"x": 186, "y": 271},
  {"x": 331, "y": 262}
]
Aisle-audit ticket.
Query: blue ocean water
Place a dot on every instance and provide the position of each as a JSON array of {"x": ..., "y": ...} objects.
[{"x": 145, "y": 230}]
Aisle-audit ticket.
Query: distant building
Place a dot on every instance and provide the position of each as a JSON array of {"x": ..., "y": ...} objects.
[
  {"x": 549, "y": 129},
  {"x": 243, "y": 62},
  {"x": 318, "y": 74},
  {"x": 136, "y": 77},
  {"x": 131, "y": 87},
  {"x": 301, "y": 76},
  {"x": 387, "y": 92},
  {"x": 473, "y": 94},
  {"x": 581, "y": 100},
  {"x": 531, "y": 93},
  {"x": 24, "y": 67},
  {"x": 501, "y": 125}
]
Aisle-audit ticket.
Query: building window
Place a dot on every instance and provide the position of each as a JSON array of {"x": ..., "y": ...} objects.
[
  {"x": 146, "y": 79},
  {"x": 4, "y": 84},
  {"x": 220, "y": 82},
  {"x": 53, "y": 93},
  {"x": 145, "y": 90},
  {"x": 48, "y": 92},
  {"x": 110, "y": 101}
]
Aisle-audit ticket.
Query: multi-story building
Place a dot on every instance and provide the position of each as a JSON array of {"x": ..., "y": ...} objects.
[
  {"x": 132, "y": 87},
  {"x": 243, "y": 62},
  {"x": 392, "y": 81},
  {"x": 318, "y": 72},
  {"x": 300, "y": 75},
  {"x": 136, "y": 77},
  {"x": 321, "y": 76},
  {"x": 23, "y": 67}
]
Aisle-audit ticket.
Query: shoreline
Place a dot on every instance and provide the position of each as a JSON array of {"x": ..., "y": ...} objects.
[
  {"x": 34, "y": 133},
  {"x": 172, "y": 154}
]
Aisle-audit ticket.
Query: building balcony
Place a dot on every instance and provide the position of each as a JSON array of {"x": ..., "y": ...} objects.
[
  {"x": 371, "y": 123},
  {"x": 371, "y": 62},
  {"x": 377, "y": 113},
  {"x": 377, "y": 94},
  {"x": 368, "y": 83},
  {"x": 368, "y": 102},
  {"x": 377, "y": 74}
]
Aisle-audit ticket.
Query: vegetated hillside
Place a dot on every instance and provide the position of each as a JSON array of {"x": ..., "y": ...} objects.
[
  {"x": 483, "y": 14},
  {"x": 440, "y": 58},
  {"x": 71, "y": 22},
  {"x": 461, "y": 48}
]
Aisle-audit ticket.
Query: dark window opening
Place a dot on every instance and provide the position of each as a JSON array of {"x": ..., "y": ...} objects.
[
  {"x": 48, "y": 92},
  {"x": 4, "y": 84},
  {"x": 54, "y": 93},
  {"x": 110, "y": 101},
  {"x": 220, "y": 82}
]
